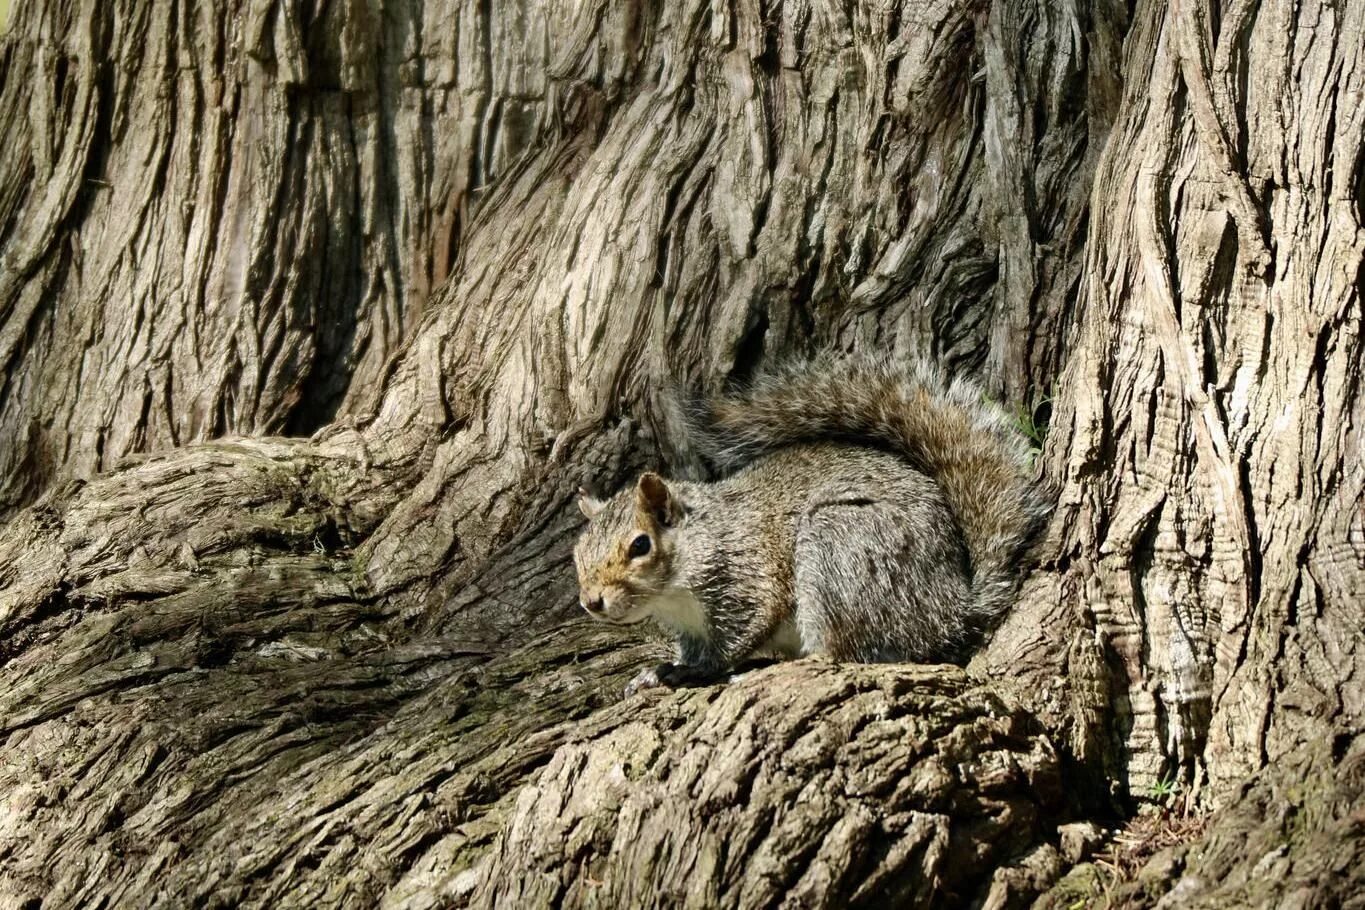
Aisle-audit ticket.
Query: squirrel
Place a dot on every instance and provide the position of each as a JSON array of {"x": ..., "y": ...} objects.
[{"x": 866, "y": 510}]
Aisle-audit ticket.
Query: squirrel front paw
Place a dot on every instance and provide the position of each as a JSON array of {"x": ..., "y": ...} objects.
[
  {"x": 658, "y": 677},
  {"x": 673, "y": 676}
]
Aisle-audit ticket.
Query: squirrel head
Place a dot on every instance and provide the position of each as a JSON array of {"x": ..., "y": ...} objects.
[{"x": 625, "y": 555}]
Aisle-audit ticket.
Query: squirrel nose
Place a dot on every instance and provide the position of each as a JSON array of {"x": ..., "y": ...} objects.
[{"x": 592, "y": 604}]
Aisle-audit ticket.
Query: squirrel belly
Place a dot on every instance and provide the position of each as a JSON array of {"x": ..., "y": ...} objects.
[
  {"x": 866, "y": 511},
  {"x": 679, "y": 611}
]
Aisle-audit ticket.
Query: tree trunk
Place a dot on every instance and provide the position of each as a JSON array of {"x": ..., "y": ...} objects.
[
  {"x": 464, "y": 246},
  {"x": 1210, "y": 518}
]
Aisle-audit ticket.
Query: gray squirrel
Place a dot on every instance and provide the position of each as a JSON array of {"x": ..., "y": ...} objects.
[{"x": 867, "y": 510}]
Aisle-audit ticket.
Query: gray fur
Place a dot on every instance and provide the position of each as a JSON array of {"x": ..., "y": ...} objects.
[{"x": 868, "y": 510}]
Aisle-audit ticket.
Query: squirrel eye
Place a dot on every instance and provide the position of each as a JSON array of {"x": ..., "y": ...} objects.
[{"x": 638, "y": 547}]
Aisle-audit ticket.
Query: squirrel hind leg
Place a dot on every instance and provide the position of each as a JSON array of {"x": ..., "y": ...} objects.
[{"x": 881, "y": 581}]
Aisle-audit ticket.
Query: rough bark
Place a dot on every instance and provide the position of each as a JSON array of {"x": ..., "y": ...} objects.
[
  {"x": 1209, "y": 534},
  {"x": 800, "y": 785},
  {"x": 468, "y": 244},
  {"x": 1290, "y": 836},
  {"x": 221, "y": 218}
]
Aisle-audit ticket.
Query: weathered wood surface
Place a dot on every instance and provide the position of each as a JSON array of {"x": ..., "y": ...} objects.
[
  {"x": 1289, "y": 836},
  {"x": 800, "y": 785},
  {"x": 250, "y": 204},
  {"x": 1211, "y": 524},
  {"x": 467, "y": 244}
]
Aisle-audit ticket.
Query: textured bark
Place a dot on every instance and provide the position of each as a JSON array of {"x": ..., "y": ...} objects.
[
  {"x": 801, "y": 785},
  {"x": 221, "y": 218},
  {"x": 468, "y": 244},
  {"x": 1289, "y": 836},
  {"x": 1209, "y": 534}
]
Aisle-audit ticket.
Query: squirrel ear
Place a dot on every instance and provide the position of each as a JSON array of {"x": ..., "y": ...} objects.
[
  {"x": 655, "y": 499},
  {"x": 587, "y": 504}
]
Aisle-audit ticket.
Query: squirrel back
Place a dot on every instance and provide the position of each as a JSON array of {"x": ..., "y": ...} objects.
[{"x": 948, "y": 429}]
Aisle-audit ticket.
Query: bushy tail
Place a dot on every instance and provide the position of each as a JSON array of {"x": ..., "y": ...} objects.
[{"x": 947, "y": 429}]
